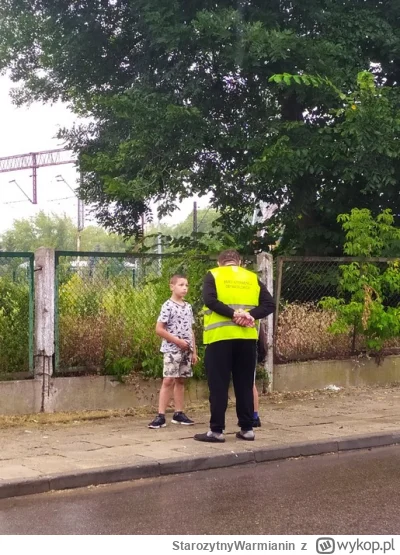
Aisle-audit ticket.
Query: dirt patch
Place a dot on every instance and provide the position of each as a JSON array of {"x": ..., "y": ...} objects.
[{"x": 43, "y": 419}]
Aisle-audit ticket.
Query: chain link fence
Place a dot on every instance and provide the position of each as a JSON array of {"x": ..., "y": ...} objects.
[
  {"x": 107, "y": 305},
  {"x": 16, "y": 313},
  {"x": 301, "y": 326}
]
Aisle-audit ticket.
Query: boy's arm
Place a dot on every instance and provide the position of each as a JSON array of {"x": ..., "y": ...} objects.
[
  {"x": 162, "y": 332},
  {"x": 194, "y": 347},
  {"x": 194, "y": 354},
  {"x": 194, "y": 342}
]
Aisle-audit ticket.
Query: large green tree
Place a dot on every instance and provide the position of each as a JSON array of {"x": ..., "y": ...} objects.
[
  {"x": 351, "y": 160},
  {"x": 181, "y": 102}
]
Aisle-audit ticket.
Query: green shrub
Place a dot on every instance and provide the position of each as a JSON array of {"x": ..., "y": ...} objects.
[
  {"x": 108, "y": 325},
  {"x": 366, "y": 287},
  {"x": 14, "y": 326}
]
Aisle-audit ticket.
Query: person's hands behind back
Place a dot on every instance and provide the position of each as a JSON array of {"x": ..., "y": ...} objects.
[{"x": 244, "y": 319}]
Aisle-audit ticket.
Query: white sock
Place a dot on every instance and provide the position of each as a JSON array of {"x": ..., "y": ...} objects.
[
  {"x": 214, "y": 434},
  {"x": 247, "y": 434}
]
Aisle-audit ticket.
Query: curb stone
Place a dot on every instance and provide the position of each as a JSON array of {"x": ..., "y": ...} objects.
[{"x": 125, "y": 473}]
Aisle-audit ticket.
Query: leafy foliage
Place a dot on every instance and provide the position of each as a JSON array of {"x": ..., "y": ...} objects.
[
  {"x": 324, "y": 167},
  {"x": 366, "y": 288},
  {"x": 180, "y": 101},
  {"x": 107, "y": 322},
  {"x": 14, "y": 326}
]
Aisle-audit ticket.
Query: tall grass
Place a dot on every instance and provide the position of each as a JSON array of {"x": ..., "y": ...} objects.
[
  {"x": 302, "y": 334},
  {"x": 14, "y": 326},
  {"x": 108, "y": 325}
]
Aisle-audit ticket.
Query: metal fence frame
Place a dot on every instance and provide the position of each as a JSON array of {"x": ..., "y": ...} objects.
[{"x": 31, "y": 284}]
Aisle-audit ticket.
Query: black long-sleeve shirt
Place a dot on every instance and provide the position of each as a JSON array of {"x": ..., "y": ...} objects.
[{"x": 265, "y": 306}]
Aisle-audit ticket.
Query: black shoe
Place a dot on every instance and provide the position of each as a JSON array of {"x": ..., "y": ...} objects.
[
  {"x": 247, "y": 436},
  {"x": 181, "y": 418},
  {"x": 210, "y": 437},
  {"x": 257, "y": 422},
  {"x": 158, "y": 422}
]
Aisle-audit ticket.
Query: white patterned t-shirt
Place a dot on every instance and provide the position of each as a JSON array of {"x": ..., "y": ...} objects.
[{"x": 179, "y": 321}]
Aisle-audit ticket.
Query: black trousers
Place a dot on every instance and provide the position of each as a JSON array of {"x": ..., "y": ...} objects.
[{"x": 236, "y": 357}]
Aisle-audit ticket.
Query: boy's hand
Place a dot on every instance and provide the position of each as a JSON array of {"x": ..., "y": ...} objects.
[{"x": 182, "y": 344}]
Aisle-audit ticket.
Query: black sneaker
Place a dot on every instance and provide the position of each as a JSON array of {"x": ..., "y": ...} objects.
[
  {"x": 158, "y": 422},
  {"x": 246, "y": 435},
  {"x": 257, "y": 422},
  {"x": 210, "y": 437},
  {"x": 181, "y": 418}
]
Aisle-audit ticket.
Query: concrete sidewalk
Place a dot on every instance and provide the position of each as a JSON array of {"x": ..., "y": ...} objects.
[{"x": 36, "y": 458}]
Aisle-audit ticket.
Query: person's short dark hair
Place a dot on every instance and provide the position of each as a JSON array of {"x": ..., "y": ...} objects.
[
  {"x": 229, "y": 255},
  {"x": 175, "y": 278}
]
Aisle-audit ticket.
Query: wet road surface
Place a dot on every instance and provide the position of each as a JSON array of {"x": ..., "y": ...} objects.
[{"x": 350, "y": 493}]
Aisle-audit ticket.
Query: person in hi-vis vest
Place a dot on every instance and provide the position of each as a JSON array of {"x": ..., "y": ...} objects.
[{"x": 234, "y": 299}]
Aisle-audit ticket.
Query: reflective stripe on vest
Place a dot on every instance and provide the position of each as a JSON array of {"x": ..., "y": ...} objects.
[
  {"x": 239, "y": 289},
  {"x": 220, "y": 325}
]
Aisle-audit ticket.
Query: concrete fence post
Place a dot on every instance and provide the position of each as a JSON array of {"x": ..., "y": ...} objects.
[
  {"x": 44, "y": 320},
  {"x": 265, "y": 263}
]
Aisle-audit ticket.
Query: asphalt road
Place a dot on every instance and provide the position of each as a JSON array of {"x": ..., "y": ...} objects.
[{"x": 351, "y": 493}]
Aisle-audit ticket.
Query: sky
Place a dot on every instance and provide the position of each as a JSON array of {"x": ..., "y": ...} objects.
[{"x": 31, "y": 129}]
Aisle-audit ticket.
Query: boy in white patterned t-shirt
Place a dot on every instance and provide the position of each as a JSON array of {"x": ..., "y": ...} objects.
[{"x": 175, "y": 326}]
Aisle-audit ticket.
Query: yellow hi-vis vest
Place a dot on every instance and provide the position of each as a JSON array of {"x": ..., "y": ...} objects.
[{"x": 237, "y": 288}]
